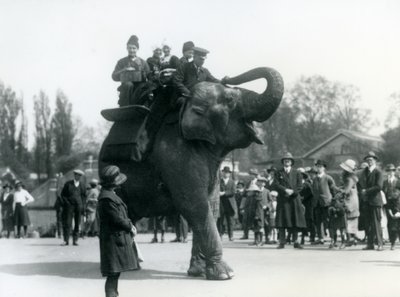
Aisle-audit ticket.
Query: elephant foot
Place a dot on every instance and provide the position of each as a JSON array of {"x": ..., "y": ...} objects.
[
  {"x": 197, "y": 268},
  {"x": 219, "y": 271}
]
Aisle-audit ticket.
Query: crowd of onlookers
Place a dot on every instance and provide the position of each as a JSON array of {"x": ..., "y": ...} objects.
[{"x": 282, "y": 204}]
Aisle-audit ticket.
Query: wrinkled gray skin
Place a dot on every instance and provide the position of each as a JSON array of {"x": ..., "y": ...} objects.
[{"x": 181, "y": 172}]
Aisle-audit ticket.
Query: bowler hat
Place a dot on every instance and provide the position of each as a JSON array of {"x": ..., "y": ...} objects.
[
  {"x": 348, "y": 165},
  {"x": 287, "y": 156},
  {"x": 320, "y": 163},
  {"x": 200, "y": 51},
  {"x": 111, "y": 176},
  {"x": 253, "y": 171},
  {"x": 187, "y": 46},
  {"x": 390, "y": 167},
  {"x": 226, "y": 169},
  {"x": 272, "y": 168},
  {"x": 78, "y": 172},
  {"x": 371, "y": 154}
]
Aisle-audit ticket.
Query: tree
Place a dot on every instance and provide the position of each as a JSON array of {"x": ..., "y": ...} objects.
[
  {"x": 12, "y": 131},
  {"x": 44, "y": 135},
  {"x": 390, "y": 150},
  {"x": 393, "y": 117},
  {"x": 62, "y": 125}
]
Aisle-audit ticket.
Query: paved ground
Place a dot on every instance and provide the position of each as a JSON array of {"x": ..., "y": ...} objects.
[{"x": 40, "y": 267}]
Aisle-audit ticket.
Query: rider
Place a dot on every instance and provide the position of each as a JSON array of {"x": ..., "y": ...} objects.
[
  {"x": 131, "y": 71},
  {"x": 191, "y": 73},
  {"x": 168, "y": 60},
  {"x": 187, "y": 51}
]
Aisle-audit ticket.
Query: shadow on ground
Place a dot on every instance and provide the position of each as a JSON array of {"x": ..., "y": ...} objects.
[
  {"x": 383, "y": 263},
  {"x": 84, "y": 270}
]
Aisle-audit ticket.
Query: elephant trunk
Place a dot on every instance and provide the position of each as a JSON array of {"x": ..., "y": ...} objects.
[{"x": 259, "y": 107}]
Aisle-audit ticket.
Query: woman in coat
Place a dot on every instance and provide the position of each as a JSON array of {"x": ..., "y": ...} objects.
[
  {"x": 116, "y": 231},
  {"x": 7, "y": 214},
  {"x": 21, "y": 199},
  {"x": 351, "y": 200}
]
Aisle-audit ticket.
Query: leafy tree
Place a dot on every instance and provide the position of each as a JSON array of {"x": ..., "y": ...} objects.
[
  {"x": 390, "y": 150},
  {"x": 62, "y": 126},
  {"x": 44, "y": 135},
  {"x": 12, "y": 131}
]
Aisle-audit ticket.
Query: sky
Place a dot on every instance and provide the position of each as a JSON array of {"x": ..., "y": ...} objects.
[{"x": 74, "y": 45}]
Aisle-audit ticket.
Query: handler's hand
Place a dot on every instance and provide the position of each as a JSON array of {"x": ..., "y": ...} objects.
[{"x": 133, "y": 230}]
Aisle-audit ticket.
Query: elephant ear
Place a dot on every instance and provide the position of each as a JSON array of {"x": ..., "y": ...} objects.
[{"x": 195, "y": 124}]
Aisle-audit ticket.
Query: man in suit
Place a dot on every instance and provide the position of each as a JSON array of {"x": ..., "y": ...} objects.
[
  {"x": 391, "y": 188},
  {"x": 73, "y": 196},
  {"x": 228, "y": 208},
  {"x": 189, "y": 74},
  {"x": 323, "y": 190},
  {"x": 289, "y": 211},
  {"x": 370, "y": 183}
]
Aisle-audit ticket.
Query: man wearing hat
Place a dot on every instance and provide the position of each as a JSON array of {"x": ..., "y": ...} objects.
[
  {"x": 187, "y": 51},
  {"x": 189, "y": 74},
  {"x": 131, "y": 71},
  {"x": 91, "y": 207},
  {"x": 391, "y": 188},
  {"x": 228, "y": 208},
  {"x": 73, "y": 196},
  {"x": 245, "y": 204},
  {"x": 371, "y": 183},
  {"x": 323, "y": 190},
  {"x": 289, "y": 211}
]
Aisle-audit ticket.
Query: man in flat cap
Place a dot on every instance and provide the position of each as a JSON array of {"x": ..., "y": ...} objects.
[
  {"x": 391, "y": 188},
  {"x": 228, "y": 208},
  {"x": 323, "y": 190},
  {"x": 73, "y": 196},
  {"x": 131, "y": 71},
  {"x": 191, "y": 73},
  {"x": 371, "y": 183}
]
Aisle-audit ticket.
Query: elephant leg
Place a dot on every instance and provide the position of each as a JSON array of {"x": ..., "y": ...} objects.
[
  {"x": 207, "y": 248},
  {"x": 197, "y": 261}
]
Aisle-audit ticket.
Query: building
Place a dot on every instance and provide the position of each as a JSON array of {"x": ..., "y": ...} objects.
[{"x": 343, "y": 145}]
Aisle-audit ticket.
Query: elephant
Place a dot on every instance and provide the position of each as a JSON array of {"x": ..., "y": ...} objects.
[{"x": 181, "y": 171}]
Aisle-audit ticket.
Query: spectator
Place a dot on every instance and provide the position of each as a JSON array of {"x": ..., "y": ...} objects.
[
  {"x": 91, "y": 206},
  {"x": 7, "y": 214},
  {"x": 116, "y": 231},
  {"x": 228, "y": 208},
  {"x": 371, "y": 182},
  {"x": 323, "y": 189},
  {"x": 159, "y": 224},
  {"x": 73, "y": 197},
  {"x": 239, "y": 196},
  {"x": 289, "y": 210},
  {"x": 351, "y": 200},
  {"x": 309, "y": 203},
  {"x": 21, "y": 217},
  {"x": 391, "y": 188}
]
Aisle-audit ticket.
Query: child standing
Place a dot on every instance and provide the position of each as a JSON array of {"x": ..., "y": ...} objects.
[{"x": 116, "y": 231}]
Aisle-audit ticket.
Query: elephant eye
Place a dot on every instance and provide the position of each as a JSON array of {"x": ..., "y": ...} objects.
[{"x": 198, "y": 110}]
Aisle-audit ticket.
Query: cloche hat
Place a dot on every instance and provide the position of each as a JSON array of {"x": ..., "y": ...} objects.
[{"x": 111, "y": 176}]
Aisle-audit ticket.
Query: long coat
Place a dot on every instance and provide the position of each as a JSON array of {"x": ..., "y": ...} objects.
[
  {"x": 116, "y": 251},
  {"x": 289, "y": 209},
  {"x": 228, "y": 201},
  {"x": 372, "y": 182},
  {"x": 351, "y": 200}
]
